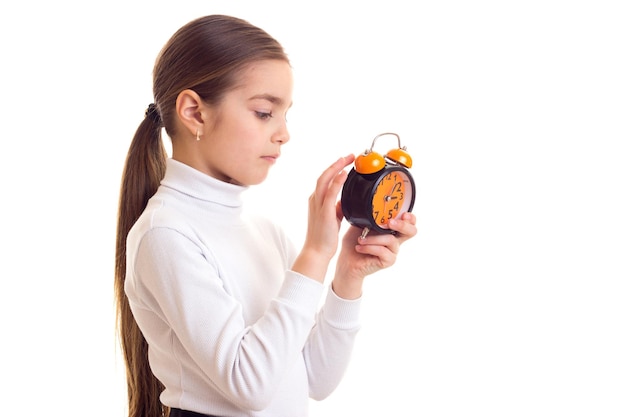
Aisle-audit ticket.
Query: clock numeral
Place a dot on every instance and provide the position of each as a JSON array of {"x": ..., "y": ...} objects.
[{"x": 384, "y": 219}]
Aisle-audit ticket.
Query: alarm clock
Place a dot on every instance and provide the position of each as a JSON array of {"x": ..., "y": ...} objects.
[{"x": 378, "y": 188}]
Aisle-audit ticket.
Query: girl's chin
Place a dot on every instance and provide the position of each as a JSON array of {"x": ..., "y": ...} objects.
[{"x": 246, "y": 182}]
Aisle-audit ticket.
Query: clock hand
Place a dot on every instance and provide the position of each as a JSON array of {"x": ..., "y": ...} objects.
[
  {"x": 392, "y": 189},
  {"x": 390, "y": 195}
]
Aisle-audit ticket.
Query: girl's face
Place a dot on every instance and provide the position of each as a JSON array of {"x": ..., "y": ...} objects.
[{"x": 244, "y": 133}]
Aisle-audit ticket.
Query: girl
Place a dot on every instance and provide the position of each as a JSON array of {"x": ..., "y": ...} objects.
[{"x": 218, "y": 314}]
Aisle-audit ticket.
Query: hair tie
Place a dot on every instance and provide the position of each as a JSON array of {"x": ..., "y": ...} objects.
[{"x": 152, "y": 112}]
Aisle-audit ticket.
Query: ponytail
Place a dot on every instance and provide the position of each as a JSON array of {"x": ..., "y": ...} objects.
[{"x": 143, "y": 171}]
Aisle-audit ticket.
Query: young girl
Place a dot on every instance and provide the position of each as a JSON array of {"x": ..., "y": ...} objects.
[{"x": 218, "y": 313}]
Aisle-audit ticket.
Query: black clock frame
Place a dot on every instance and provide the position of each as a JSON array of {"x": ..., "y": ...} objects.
[{"x": 358, "y": 192}]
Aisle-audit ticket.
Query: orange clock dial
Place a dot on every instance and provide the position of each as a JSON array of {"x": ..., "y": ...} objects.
[{"x": 391, "y": 197}]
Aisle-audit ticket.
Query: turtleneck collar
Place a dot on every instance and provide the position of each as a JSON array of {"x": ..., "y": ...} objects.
[{"x": 194, "y": 183}]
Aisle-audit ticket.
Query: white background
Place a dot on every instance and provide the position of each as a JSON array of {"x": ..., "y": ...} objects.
[{"x": 509, "y": 302}]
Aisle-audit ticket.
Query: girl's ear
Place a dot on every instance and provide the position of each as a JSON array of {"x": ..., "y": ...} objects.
[{"x": 189, "y": 107}]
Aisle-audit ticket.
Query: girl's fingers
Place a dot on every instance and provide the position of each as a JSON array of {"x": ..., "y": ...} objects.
[
  {"x": 405, "y": 226},
  {"x": 385, "y": 255},
  {"x": 387, "y": 242},
  {"x": 331, "y": 178}
]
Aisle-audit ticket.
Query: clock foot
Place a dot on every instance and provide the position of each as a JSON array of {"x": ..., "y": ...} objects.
[{"x": 365, "y": 232}]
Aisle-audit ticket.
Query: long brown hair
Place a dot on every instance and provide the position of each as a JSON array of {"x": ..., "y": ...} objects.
[{"x": 206, "y": 55}]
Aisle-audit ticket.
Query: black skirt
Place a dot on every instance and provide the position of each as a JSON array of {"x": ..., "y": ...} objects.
[{"x": 177, "y": 412}]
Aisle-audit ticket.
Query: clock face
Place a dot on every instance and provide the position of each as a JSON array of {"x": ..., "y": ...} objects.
[{"x": 392, "y": 196}]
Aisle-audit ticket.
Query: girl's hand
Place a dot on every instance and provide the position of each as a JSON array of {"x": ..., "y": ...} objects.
[
  {"x": 360, "y": 257},
  {"x": 322, "y": 239}
]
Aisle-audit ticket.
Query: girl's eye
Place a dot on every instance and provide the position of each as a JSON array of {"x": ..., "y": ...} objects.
[{"x": 263, "y": 115}]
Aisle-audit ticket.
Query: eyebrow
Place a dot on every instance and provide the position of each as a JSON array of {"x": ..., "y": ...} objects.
[{"x": 272, "y": 99}]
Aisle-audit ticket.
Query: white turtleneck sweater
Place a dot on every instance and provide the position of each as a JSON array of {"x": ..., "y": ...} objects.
[{"x": 232, "y": 331}]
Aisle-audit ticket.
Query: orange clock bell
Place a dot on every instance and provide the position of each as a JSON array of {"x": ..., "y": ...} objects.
[{"x": 378, "y": 188}]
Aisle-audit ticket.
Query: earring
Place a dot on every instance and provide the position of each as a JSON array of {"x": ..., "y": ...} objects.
[{"x": 197, "y": 135}]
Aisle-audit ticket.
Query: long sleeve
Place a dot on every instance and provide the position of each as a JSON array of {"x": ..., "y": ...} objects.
[{"x": 328, "y": 350}]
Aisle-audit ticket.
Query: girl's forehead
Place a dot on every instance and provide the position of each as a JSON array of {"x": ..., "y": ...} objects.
[{"x": 268, "y": 79}]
